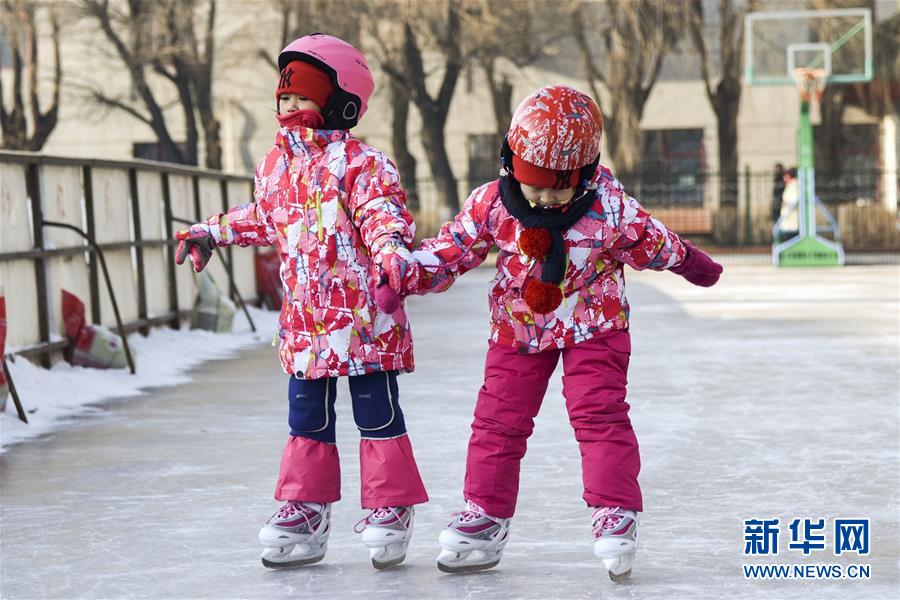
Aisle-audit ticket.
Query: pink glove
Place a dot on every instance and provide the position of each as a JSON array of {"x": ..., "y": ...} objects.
[
  {"x": 698, "y": 267},
  {"x": 196, "y": 241},
  {"x": 393, "y": 263}
]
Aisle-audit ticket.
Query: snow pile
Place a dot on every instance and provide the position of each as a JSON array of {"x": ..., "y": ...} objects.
[{"x": 53, "y": 397}]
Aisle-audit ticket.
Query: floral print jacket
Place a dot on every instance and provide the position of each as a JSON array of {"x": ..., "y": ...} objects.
[
  {"x": 616, "y": 231},
  {"x": 330, "y": 204}
]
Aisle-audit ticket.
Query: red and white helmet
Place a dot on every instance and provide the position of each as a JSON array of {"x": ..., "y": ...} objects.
[
  {"x": 349, "y": 72},
  {"x": 556, "y": 127}
]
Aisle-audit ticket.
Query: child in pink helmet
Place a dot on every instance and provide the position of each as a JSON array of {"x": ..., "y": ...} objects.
[
  {"x": 565, "y": 230},
  {"x": 335, "y": 209}
]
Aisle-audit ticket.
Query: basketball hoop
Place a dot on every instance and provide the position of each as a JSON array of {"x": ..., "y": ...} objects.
[{"x": 809, "y": 82}]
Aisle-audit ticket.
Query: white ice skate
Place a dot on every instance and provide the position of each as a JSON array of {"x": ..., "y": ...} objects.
[
  {"x": 296, "y": 535},
  {"x": 386, "y": 533},
  {"x": 615, "y": 539},
  {"x": 473, "y": 541}
]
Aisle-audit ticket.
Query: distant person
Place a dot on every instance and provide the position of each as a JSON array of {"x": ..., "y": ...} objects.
[
  {"x": 790, "y": 209},
  {"x": 566, "y": 229},
  {"x": 335, "y": 209},
  {"x": 777, "y": 192}
]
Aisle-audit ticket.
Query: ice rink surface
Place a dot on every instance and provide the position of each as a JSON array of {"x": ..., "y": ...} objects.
[{"x": 772, "y": 395}]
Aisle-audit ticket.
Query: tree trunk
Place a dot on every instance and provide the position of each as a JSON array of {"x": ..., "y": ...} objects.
[
  {"x": 501, "y": 99},
  {"x": 20, "y": 16},
  {"x": 213, "y": 140},
  {"x": 406, "y": 162},
  {"x": 829, "y": 140},
  {"x": 436, "y": 153},
  {"x": 625, "y": 138},
  {"x": 726, "y": 105}
]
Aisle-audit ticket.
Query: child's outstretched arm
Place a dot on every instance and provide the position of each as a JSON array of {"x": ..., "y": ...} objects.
[
  {"x": 461, "y": 245},
  {"x": 246, "y": 225},
  {"x": 643, "y": 242}
]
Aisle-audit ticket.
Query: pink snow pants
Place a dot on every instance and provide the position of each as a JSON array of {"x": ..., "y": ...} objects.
[
  {"x": 311, "y": 472},
  {"x": 594, "y": 379}
]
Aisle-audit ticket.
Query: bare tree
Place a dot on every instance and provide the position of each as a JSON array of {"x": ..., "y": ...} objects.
[
  {"x": 505, "y": 37},
  {"x": 725, "y": 94},
  {"x": 879, "y": 97},
  {"x": 633, "y": 37},
  {"x": 406, "y": 162},
  {"x": 169, "y": 39},
  {"x": 188, "y": 64},
  {"x": 403, "y": 34},
  {"x": 313, "y": 16},
  {"x": 19, "y": 19}
]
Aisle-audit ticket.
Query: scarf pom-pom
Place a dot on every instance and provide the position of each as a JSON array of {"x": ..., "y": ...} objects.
[
  {"x": 542, "y": 297},
  {"x": 535, "y": 242}
]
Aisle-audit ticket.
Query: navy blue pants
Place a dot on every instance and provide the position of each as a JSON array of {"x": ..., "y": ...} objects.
[{"x": 376, "y": 407}]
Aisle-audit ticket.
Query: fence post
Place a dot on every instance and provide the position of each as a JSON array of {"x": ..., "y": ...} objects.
[
  {"x": 33, "y": 186},
  {"x": 138, "y": 247},
  {"x": 748, "y": 236},
  {"x": 196, "y": 186},
  {"x": 230, "y": 266},
  {"x": 91, "y": 226},
  {"x": 170, "y": 253}
]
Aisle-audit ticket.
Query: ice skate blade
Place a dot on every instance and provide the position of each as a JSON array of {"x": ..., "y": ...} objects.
[
  {"x": 467, "y": 568},
  {"x": 385, "y": 557},
  {"x": 285, "y": 558},
  {"x": 381, "y": 565},
  {"x": 620, "y": 577},
  {"x": 292, "y": 564}
]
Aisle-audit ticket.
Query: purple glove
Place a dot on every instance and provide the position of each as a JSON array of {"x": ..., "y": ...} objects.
[
  {"x": 393, "y": 262},
  {"x": 196, "y": 241},
  {"x": 698, "y": 267}
]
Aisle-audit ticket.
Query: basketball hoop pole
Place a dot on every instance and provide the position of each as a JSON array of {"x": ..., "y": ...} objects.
[
  {"x": 808, "y": 48},
  {"x": 807, "y": 248},
  {"x": 806, "y": 168}
]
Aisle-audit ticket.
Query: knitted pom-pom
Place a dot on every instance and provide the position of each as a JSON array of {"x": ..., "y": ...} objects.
[
  {"x": 535, "y": 242},
  {"x": 387, "y": 299},
  {"x": 542, "y": 297}
]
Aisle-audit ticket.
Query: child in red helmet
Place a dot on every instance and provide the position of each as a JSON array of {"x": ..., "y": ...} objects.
[
  {"x": 335, "y": 209},
  {"x": 565, "y": 229}
]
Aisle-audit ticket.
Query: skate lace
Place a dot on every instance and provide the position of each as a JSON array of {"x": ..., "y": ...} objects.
[
  {"x": 471, "y": 513},
  {"x": 376, "y": 513},
  {"x": 606, "y": 518},
  {"x": 289, "y": 508},
  {"x": 305, "y": 512}
]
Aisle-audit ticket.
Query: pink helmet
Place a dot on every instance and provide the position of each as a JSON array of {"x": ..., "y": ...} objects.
[{"x": 353, "y": 83}]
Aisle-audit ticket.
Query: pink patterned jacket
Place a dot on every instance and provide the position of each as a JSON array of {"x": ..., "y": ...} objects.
[
  {"x": 615, "y": 231},
  {"x": 331, "y": 204}
]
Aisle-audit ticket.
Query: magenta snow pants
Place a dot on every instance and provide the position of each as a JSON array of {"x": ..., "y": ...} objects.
[{"x": 594, "y": 379}]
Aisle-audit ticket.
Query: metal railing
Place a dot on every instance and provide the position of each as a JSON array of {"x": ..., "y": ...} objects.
[{"x": 42, "y": 191}]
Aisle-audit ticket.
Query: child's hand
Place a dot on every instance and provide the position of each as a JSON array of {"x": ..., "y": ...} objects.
[
  {"x": 393, "y": 263},
  {"x": 394, "y": 260},
  {"x": 698, "y": 267},
  {"x": 196, "y": 241}
]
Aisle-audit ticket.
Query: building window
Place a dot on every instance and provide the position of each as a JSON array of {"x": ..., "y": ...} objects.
[
  {"x": 672, "y": 167},
  {"x": 156, "y": 151},
  {"x": 484, "y": 161}
]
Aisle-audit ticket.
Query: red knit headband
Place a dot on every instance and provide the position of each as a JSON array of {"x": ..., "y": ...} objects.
[
  {"x": 305, "y": 80},
  {"x": 533, "y": 175}
]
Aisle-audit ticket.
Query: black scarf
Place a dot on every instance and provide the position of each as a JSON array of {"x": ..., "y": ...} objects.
[{"x": 556, "y": 222}]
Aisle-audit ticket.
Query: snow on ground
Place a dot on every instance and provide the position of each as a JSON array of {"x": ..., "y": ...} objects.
[
  {"x": 772, "y": 395},
  {"x": 52, "y": 398}
]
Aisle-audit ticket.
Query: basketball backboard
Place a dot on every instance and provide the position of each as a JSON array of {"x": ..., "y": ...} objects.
[{"x": 837, "y": 40}]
